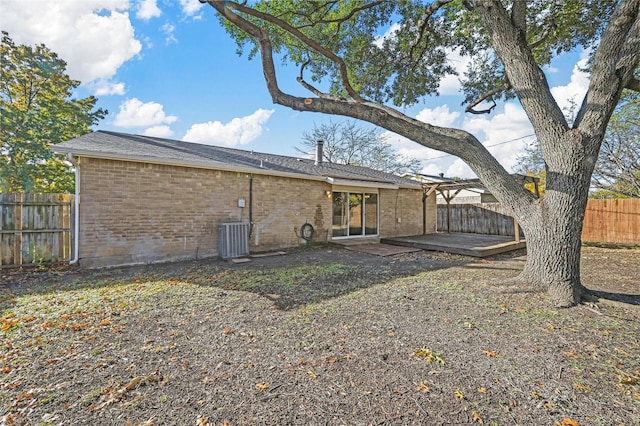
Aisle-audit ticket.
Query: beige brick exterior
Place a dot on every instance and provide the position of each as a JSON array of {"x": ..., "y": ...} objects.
[
  {"x": 133, "y": 212},
  {"x": 401, "y": 213}
]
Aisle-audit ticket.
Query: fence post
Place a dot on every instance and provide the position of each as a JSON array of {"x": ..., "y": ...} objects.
[{"x": 17, "y": 223}]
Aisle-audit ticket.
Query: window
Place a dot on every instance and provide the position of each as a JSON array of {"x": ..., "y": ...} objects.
[{"x": 355, "y": 214}]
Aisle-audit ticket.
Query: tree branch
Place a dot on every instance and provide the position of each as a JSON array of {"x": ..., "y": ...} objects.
[
  {"x": 486, "y": 96},
  {"x": 310, "y": 87},
  {"x": 519, "y": 17},
  {"x": 342, "y": 67},
  {"x": 543, "y": 37},
  {"x": 633, "y": 84},
  {"x": 521, "y": 70},
  {"x": 614, "y": 64},
  {"x": 347, "y": 16},
  {"x": 424, "y": 22}
]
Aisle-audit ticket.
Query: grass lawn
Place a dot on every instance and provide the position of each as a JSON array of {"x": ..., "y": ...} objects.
[{"x": 321, "y": 336}]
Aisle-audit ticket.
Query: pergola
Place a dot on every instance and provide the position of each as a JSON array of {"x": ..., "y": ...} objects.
[{"x": 449, "y": 190}]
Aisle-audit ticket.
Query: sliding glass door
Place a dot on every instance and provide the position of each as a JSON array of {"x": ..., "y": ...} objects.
[{"x": 355, "y": 214}]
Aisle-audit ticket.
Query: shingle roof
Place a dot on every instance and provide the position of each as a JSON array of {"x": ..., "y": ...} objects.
[{"x": 125, "y": 146}]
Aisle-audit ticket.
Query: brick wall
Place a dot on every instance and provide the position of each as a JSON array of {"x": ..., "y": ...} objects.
[
  {"x": 401, "y": 212},
  {"x": 139, "y": 213},
  {"x": 134, "y": 212}
]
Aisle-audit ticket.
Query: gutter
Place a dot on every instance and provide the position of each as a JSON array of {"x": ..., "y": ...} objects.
[
  {"x": 76, "y": 231},
  {"x": 361, "y": 183}
]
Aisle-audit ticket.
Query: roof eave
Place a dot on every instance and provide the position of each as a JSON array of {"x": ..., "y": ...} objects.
[{"x": 185, "y": 163}]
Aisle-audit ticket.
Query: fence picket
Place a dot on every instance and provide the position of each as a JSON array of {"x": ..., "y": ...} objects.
[
  {"x": 35, "y": 228},
  {"x": 606, "y": 221}
]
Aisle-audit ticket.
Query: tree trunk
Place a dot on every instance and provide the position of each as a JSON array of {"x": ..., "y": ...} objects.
[
  {"x": 553, "y": 261},
  {"x": 553, "y": 225}
]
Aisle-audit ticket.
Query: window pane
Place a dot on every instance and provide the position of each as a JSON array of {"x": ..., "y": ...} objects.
[
  {"x": 355, "y": 214},
  {"x": 371, "y": 214},
  {"x": 340, "y": 206}
]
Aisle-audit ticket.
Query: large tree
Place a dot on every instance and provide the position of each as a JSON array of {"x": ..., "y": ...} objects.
[
  {"x": 348, "y": 142},
  {"x": 510, "y": 42},
  {"x": 36, "y": 111}
]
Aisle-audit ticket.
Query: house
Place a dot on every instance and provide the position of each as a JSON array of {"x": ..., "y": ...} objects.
[{"x": 145, "y": 199}]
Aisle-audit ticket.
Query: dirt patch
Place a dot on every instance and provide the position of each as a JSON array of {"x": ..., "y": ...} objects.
[{"x": 318, "y": 336}]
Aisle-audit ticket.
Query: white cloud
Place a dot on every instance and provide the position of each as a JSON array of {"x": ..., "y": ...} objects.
[
  {"x": 104, "y": 87},
  {"x": 190, "y": 7},
  {"x": 432, "y": 169},
  {"x": 239, "y": 131},
  {"x": 575, "y": 90},
  {"x": 148, "y": 9},
  {"x": 438, "y": 116},
  {"x": 169, "y": 30},
  {"x": 159, "y": 132},
  {"x": 94, "y": 37},
  {"x": 409, "y": 148},
  {"x": 135, "y": 113},
  {"x": 505, "y": 134},
  {"x": 391, "y": 32},
  {"x": 450, "y": 84},
  {"x": 459, "y": 169}
]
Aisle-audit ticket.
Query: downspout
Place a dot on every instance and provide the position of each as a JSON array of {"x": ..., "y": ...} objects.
[
  {"x": 76, "y": 231},
  {"x": 250, "y": 204}
]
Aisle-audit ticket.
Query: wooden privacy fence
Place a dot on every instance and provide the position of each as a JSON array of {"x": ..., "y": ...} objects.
[
  {"x": 36, "y": 228},
  {"x": 606, "y": 221},
  {"x": 612, "y": 221},
  {"x": 479, "y": 218}
]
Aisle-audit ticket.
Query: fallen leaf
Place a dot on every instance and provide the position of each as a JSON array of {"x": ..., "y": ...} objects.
[
  {"x": 312, "y": 374},
  {"x": 571, "y": 355},
  {"x": 476, "y": 417},
  {"x": 262, "y": 386},
  {"x": 628, "y": 380},
  {"x": 149, "y": 422},
  {"x": 423, "y": 387},
  {"x": 490, "y": 354},
  {"x": 227, "y": 330},
  {"x": 568, "y": 422},
  {"x": 202, "y": 421},
  {"x": 581, "y": 387},
  {"x": 430, "y": 356},
  {"x": 331, "y": 359},
  {"x": 482, "y": 390},
  {"x": 459, "y": 395}
]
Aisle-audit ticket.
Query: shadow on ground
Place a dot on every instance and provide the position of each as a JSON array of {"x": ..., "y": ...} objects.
[
  {"x": 310, "y": 275},
  {"x": 296, "y": 278}
]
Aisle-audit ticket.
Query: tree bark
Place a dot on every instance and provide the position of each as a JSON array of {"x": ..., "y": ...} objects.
[
  {"x": 553, "y": 224},
  {"x": 553, "y": 238}
]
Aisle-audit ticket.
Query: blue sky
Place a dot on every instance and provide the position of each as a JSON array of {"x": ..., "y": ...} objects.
[{"x": 166, "y": 68}]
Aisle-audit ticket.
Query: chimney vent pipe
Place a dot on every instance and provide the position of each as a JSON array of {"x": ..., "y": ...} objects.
[{"x": 319, "y": 153}]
